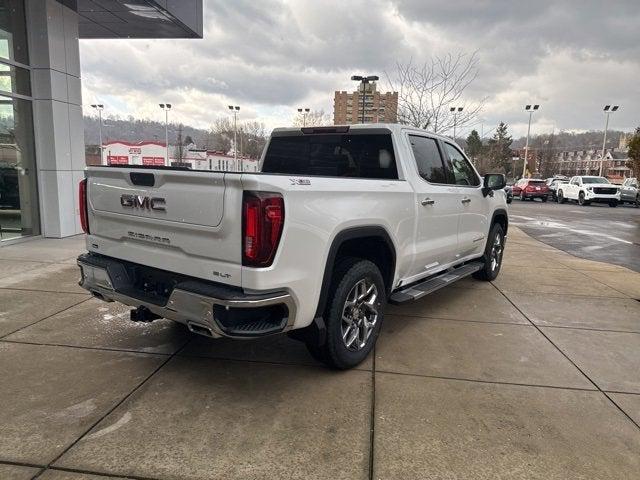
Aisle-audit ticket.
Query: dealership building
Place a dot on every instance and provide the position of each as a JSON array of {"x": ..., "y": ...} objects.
[{"x": 42, "y": 154}]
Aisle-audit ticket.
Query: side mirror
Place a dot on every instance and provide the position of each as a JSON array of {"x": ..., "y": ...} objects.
[{"x": 493, "y": 181}]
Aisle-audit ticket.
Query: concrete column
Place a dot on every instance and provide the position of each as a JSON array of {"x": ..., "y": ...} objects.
[{"x": 54, "y": 56}]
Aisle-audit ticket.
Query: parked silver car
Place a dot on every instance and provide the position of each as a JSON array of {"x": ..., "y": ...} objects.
[{"x": 630, "y": 192}]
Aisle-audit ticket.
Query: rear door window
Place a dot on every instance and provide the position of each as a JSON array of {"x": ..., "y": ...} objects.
[
  {"x": 428, "y": 159},
  {"x": 332, "y": 155}
]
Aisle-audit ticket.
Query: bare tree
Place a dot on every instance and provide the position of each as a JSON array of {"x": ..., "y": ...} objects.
[
  {"x": 428, "y": 91},
  {"x": 315, "y": 118}
]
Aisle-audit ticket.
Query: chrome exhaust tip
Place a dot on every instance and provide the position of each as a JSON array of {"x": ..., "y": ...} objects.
[{"x": 200, "y": 329}]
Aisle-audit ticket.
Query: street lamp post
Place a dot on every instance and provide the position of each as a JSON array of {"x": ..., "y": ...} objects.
[
  {"x": 608, "y": 109},
  {"x": 530, "y": 109},
  {"x": 99, "y": 107},
  {"x": 304, "y": 112},
  {"x": 166, "y": 107},
  {"x": 365, "y": 80},
  {"x": 455, "y": 111},
  {"x": 235, "y": 109}
]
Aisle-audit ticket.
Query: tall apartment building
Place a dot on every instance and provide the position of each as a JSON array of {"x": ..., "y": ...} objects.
[{"x": 378, "y": 107}]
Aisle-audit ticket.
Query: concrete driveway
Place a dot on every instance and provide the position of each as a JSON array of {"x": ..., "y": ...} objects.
[{"x": 536, "y": 375}]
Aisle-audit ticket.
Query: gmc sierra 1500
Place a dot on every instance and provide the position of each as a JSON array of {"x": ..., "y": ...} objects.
[{"x": 338, "y": 221}]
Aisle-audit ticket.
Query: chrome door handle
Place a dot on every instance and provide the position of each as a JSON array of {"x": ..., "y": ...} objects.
[
  {"x": 427, "y": 201},
  {"x": 466, "y": 200}
]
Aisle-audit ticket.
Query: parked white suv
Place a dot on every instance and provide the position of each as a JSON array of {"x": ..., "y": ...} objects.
[
  {"x": 586, "y": 189},
  {"x": 339, "y": 221}
]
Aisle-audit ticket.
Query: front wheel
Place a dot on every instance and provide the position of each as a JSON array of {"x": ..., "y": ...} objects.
[
  {"x": 544, "y": 199},
  {"x": 353, "y": 315},
  {"x": 581, "y": 200},
  {"x": 613, "y": 204},
  {"x": 637, "y": 202},
  {"x": 492, "y": 255}
]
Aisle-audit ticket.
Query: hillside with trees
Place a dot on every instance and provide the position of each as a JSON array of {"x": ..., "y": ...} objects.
[{"x": 251, "y": 135}]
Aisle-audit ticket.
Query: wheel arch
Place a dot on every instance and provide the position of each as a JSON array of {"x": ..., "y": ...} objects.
[
  {"x": 500, "y": 216},
  {"x": 373, "y": 243}
]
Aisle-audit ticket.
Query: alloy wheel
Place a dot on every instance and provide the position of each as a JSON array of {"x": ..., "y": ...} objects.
[
  {"x": 359, "y": 314},
  {"x": 496, "y": 252}
]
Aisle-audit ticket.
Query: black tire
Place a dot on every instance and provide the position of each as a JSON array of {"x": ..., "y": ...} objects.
[
  {"x": 637, "y": 202},
  {"x": 613, "y": 204},
  {"x": 349, "y": 273},
  {"x": 561, "y": 198},
  {"x": 581, "y": 200},
  {"x": 490, "y": 270},
  {"x": 544, "y": 199},
  {"x": 509, "y": 200}
]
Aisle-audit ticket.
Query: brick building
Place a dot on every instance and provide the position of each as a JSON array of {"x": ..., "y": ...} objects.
[{"x": 378, "y": 107}]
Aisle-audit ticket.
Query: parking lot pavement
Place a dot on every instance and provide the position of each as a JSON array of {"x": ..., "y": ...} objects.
[
  {"x": 595, "y": 232},
  {"x": 532, "y": 376}
]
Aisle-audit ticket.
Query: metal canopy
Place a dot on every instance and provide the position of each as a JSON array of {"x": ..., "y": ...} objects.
[{"x": 138, "y": 18}]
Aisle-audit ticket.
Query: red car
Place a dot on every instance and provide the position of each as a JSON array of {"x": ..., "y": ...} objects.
[{"x": 526, "y": 188}]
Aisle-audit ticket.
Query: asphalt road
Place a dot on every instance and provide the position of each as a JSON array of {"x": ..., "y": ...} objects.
[{"x": 597, "y": 232}]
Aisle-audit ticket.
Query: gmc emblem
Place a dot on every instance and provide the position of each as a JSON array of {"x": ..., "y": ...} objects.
[{"x": 144, "y": 203}]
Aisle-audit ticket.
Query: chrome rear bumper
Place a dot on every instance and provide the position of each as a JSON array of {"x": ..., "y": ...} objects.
[{"x": 221, "y": 315}]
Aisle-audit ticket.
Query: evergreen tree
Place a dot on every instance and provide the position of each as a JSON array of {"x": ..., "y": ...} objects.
[
  {"x": 634, "y": 153},
  {"x": 499, "y": 150},
  {"x": 475, "y": 147}
]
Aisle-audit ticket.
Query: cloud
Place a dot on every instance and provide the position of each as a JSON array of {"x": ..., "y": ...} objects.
[{"x": 272, "y": 57}]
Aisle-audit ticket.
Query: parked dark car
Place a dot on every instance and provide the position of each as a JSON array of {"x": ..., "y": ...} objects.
[{"x": 531, "y": 188}]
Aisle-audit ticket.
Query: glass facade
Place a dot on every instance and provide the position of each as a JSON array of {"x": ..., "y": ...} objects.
[{"x": 18, "y": 187}]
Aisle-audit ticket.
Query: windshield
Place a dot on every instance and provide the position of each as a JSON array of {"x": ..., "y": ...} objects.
[{"x": 594, "y": 180}]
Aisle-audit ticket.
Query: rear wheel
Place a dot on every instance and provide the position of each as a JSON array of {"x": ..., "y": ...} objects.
[
  {"x": 492, "y": 255},
  {"x": 561, "y": 198},
  {"x": 613, "y": 204},
  {"x": 544, "y": 199},
  {"x": 637, "y": 202},
  {"x": 353, "y": 315}
]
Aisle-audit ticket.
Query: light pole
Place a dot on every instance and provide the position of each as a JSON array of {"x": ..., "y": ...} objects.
[
  {"x": 365, "y": 80},
  {"x": 99, "y": 107},
  {"x": 529, "y": 109},
  {"x": 455, "y": 111},
  {"x": 304, "y": 112},
  {"x": 608, "y": 109},
  {"x": 235, "y": 109},
  {"x": 166, "y": 107}
]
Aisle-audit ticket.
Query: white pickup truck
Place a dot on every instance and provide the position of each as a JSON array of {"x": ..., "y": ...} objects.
[
  {"x": 586, "y": 189},
  {"x": 338, "y": 221}
]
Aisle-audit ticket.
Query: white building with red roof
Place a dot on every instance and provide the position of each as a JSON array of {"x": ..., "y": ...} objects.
[{"x": 153, "y": 153}]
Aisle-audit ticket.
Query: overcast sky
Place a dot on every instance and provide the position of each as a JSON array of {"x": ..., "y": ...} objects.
[{"x": 271, "y": 57}]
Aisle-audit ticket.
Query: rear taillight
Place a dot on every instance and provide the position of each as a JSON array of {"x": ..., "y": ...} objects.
[
  {"x": 84, "y": 212},
  {"x": 262, "y": 222}
]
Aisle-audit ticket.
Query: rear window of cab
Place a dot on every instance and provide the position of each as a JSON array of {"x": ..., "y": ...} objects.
[{"x": 332, "y": 155}]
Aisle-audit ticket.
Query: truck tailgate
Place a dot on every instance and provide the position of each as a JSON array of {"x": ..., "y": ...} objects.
[{"x": 177, "y": 220}]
